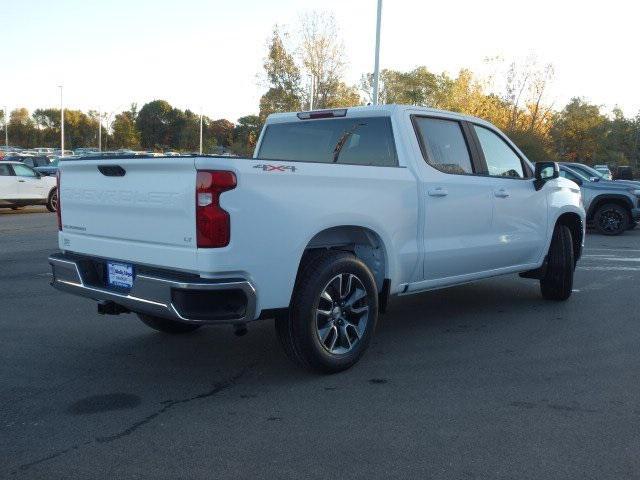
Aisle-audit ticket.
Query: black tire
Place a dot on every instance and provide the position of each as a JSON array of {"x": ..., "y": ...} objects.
[
  {"x": 611, "y": 219},
  {"x": 557, "y": 284},
  {"x": 299, "y": 330},
  {"x": 164, "y": 325},
  {"x": 632, "y": 226},
  {"x": 52, "y": 201}
]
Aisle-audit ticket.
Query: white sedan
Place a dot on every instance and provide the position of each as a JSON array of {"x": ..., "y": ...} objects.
[{"x": 21, "y": 185}]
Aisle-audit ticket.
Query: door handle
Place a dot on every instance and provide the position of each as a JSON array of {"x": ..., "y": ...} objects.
[
  {"x": 21, "y": 181},
  {"x": 438, "y": 192},
  {"x": 502, "y": 193}
]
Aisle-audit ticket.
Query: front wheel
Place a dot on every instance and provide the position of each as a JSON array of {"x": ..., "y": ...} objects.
[
  {"x": 557, "y": 283},
  {"x": 164, "y": 325},
  {"x": 611, "y": 219},
  {"x": 333, "y": 313},
  {"x": 52, "y": 201}
]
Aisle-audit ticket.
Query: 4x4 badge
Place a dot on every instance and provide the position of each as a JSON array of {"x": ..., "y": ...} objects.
[{"x": 275, "y": 168}]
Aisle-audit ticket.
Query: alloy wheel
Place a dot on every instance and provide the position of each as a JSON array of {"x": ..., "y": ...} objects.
[{"x": 342, "y": 314}]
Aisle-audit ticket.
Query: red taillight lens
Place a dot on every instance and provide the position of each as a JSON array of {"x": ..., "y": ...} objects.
[
  {"x": 213, "y": 224},
  {"x": 59, "y": 206}
]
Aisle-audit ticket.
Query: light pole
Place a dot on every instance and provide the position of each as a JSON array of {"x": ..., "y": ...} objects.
[
  {"x": 61, "y": 123},
  {"x": 201, "y": 131},
  {"x": 100, "y": 130},
  {"x": 6, "y": 127},
  {"x": 313, "y": 90},
  {"x": 376, "y": 70}
]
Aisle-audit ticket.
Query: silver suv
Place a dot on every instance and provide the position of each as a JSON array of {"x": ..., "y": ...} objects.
[{"x": 612, "y": 207}]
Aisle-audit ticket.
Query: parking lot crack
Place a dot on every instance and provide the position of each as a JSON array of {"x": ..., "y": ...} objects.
[{"x": 166, "y": 406}]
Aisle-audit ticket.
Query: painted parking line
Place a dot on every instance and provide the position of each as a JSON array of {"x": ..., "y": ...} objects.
[
  {"x": 610, "y": 268},
  {"x": 618, "y": 250}
]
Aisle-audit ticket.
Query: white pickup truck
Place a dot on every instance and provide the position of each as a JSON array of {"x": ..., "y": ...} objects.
[{"x": 337, "y": 211}]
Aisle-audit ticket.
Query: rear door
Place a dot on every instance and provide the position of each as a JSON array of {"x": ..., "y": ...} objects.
[
  {"x": 8, "y": 183},
  {"x": 520, "y": 212},
  {"x": 458, "y": 205},
  {"x": 30, "y": 185}
]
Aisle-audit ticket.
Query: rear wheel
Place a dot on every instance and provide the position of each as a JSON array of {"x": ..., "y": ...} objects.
[
  {"x": 333, "y": 313},
  {"x": 167, "y": 326},
  {"x": 52, "y": 201},
  {"x": 611, "y": 219},
  {"x": 557, "y": 283}
]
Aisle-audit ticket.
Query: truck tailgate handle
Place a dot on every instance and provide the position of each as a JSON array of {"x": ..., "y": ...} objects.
[
  {"x": 438, "y": 192},
  {"x": 112, "y": 170}
]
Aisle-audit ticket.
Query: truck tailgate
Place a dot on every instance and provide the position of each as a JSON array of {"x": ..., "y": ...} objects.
[{"x": 118, "y": 207}]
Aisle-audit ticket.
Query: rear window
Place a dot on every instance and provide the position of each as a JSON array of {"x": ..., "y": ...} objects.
[{"x": 351, "y": 141}]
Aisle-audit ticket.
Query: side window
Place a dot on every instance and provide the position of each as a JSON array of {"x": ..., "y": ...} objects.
[
  {"x": 5, "y": 171},
  {"x": 444, "y": 145},
  {"x": 501, "y": 160},
  {"x": 23, "y": 171},
  {"x": 569, "y": 176}
]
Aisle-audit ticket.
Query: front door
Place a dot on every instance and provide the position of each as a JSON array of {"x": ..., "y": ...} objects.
[{"x": 520, "y": 212}]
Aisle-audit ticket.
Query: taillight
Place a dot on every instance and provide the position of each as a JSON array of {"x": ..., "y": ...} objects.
[
  {"x": 213, "y": 224},
  {"x": 59, "y": 205}
]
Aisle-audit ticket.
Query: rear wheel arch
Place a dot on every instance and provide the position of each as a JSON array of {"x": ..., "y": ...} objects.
[{"x": 363, "y": 242}]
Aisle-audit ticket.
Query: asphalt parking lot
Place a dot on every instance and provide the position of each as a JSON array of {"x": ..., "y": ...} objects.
[{"x": 481, "y": 381}]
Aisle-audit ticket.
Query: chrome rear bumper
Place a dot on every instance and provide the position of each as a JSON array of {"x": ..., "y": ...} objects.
[{"x": 153, "y": 294}]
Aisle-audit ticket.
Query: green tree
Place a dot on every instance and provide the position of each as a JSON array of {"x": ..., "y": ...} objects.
[
  {"x": 579, "y": 132},
  {"x": 155, "y": 122},
  {"x": 125, "y": 134},
  {"x": 283, "y": 79},
  {"x": 246, "y": 134},
  {"x": 22, "y": 129}
]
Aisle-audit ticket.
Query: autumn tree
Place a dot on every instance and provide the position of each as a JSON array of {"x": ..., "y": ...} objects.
[
  {"x": 579, "y": 132},
  {"x": 283, "y": 78},
  {"x": 124, "y": 133},
  {"x": 322, "y": 56}
]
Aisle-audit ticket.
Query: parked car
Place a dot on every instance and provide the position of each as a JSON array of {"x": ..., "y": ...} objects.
[
  {"x": 42, "y": 151},
  {"x": 21, "y": 186},
  {"x": 624, "y": 172},
  {"x": 611, "y": 208},
  {"x": 40, "y": 161},
  {"x": 338, "y": 210},
  {"x": 604, "y": 169},
  {"x": 596, "y": 176},
  {"x": 49, "y": 169}
]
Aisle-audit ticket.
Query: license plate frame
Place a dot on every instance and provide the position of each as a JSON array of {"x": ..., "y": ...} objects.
[{"x": 120, "y": 275}]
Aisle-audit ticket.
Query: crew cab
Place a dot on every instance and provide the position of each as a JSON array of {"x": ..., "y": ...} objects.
[
  {"x": 336, "y": 211},
  {"x": 21, "y": 186}
]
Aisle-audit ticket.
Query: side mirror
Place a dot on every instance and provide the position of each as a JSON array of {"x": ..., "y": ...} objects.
[{"x": 544, "y": 172}]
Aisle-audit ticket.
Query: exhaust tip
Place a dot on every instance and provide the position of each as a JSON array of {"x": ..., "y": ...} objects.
[{"x": 110, "y": 308}]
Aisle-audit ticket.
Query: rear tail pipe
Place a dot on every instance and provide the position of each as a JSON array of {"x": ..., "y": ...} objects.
[{"x": 111, "y": 308}]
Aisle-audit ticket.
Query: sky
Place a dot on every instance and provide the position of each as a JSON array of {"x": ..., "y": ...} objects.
[{"x": 206, "y": 55}]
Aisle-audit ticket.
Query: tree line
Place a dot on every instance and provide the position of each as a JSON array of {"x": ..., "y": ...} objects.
[
  {"x": 157, "y": 126},
  {"x": 306, "y": 67}
]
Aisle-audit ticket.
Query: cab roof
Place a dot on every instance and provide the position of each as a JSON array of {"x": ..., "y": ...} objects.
[{"x": 373, "y": 110}]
